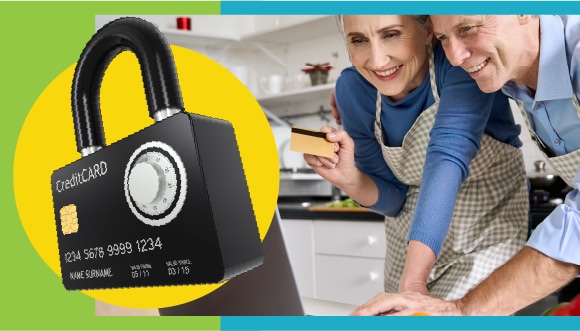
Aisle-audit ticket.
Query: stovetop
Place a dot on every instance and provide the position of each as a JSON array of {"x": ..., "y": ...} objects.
[{"x": 542, "y": 203}]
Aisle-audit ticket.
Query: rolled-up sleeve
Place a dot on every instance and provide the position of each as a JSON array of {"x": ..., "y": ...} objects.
[{"x": 558, "y": 236}]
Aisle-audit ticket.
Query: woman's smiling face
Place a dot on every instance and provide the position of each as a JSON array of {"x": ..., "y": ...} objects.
[{"x": 389, "y": 51}]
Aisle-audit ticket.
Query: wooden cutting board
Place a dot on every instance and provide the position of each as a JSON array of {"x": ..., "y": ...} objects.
[{"x": 338, "y": 209}]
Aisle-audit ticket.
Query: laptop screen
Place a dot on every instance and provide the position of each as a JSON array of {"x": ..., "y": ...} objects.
[{"x": 267, "y": 290}]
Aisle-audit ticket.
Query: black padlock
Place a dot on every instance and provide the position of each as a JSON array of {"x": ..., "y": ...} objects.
[{"x": 168, "y": 205}]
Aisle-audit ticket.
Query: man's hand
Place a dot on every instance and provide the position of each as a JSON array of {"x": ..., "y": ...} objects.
[{"x": 405, "y": 304}]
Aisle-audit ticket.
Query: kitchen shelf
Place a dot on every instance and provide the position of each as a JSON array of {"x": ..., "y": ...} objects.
[
  {"x": 306, "y": 94},
  {"x": 312, "y": 28},
  {"x": 261, "y": 41},
  {"x": 195, "y": 40},
  {"x": 286, "y": 33},
  {"x": 295, "y": 32}
]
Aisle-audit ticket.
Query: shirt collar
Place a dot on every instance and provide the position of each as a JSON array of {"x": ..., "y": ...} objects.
[{"x": 553, "y": 74}]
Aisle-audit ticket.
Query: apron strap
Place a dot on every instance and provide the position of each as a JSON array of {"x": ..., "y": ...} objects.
[
  {"x": 545, "y": 149},
  {"x": 432, "y": 73}
]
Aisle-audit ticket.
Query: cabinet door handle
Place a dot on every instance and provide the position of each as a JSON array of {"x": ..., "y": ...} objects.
[
  {"x": 371, "y": 240},
  {"x": 373, "y": 276}
]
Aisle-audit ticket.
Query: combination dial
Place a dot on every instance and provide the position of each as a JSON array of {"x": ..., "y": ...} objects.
[{"x": 155, "y": 183}]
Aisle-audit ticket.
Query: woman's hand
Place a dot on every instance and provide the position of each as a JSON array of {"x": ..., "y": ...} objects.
[
  {"x": 418, "y": 265},
  {"x": 417, "y": 287},
  {"x": 340, "y": 169}
]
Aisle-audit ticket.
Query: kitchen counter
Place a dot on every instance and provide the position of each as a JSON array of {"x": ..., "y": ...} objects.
[
  {"x": 318, "y": 307},
  {"x": 310, "y": 208}
]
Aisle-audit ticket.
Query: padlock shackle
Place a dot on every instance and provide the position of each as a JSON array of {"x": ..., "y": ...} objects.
[{"x": 157, "y": 69}]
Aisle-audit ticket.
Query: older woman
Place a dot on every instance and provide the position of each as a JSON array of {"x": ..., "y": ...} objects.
[{"x": 425, "y": 147}]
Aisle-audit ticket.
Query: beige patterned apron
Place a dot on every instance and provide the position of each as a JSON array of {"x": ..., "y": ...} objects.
[
  {"x": 490, "y": 220},
  {"x": 565, "y": 165}
]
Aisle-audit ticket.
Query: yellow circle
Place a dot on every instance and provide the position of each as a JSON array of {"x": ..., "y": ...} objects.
[{"x": 47, "y": 143}]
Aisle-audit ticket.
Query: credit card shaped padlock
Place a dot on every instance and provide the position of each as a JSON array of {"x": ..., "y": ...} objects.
[{"x": 168, "y": 205}]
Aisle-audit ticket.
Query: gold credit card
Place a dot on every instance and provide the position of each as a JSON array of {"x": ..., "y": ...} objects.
[{"x": 310, "y": 142}]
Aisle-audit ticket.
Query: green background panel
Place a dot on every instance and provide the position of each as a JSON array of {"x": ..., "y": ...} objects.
[
  {"x": 41, "y": 39},
  {"x": 38, "y": 41}
]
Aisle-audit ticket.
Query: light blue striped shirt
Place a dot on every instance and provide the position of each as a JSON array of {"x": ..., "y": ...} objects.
[{"x": 555, "y": 120}]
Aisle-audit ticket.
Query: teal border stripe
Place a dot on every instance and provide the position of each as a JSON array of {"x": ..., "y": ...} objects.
[
  {"x": 398, "y": 7},
  {"x": 400, "y": 323}
]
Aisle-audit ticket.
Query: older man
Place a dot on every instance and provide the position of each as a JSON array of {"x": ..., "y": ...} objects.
[{"x": 536, "y": 61}]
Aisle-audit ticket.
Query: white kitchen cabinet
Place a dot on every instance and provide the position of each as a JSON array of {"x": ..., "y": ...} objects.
[
  {"x": 348, "y": 279},
  {"x": 340, "y": 261},
  {"x": 299, "y": 238},
  {"x": 350, "y": 238},
  {"x": 349, "y": 258}
]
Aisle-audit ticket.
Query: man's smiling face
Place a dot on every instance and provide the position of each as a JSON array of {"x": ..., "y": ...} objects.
[{"x": 487, "y": 47}]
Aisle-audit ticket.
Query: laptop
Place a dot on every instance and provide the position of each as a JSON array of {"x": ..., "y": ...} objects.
[{"x": 267, "y": 290}]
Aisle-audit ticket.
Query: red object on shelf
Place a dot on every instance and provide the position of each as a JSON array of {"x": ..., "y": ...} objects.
[
  {"x": 184, "y": 23},
  {"x": 324, "y": 67}
]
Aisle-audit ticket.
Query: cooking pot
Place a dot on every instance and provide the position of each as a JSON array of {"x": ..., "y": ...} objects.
[{"x": 541, "y": 179}]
